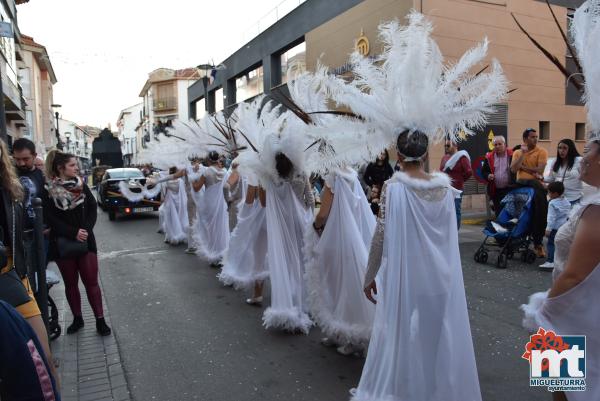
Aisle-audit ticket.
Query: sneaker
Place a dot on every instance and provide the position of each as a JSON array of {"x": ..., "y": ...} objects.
[
  {"x": 76, "y": 325},
  {"x": 547, "y": 266},
  {"x": 254, "y": 301},
  {"x": 346, "y": 350},
  {"x": 191, "y": 251},
  {"x": 101, "y": 327},
  {"x": 539, "y": 251},
  {"x": 328, "y": 342}
]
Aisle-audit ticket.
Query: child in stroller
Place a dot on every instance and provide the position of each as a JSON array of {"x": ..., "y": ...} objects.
[{"x": 510, "y": 231}]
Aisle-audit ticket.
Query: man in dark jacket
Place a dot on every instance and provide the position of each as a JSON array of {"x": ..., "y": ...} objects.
[
  {"x": 32, "y": 178},
  {"x": 496, "y": 168}
]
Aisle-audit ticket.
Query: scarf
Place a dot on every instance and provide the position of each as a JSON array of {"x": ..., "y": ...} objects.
[
  {"x": 451, "y": 162},
  {"x": 66, "y": 194}
]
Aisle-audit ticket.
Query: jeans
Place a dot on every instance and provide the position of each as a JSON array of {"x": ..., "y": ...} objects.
[
  {"x": 550, "y": 246},
  {"x": 457, "y": 206}
]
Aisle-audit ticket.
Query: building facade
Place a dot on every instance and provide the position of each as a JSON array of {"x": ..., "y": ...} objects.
[
  {"x": 37, "y": 78},
  {"x": 76, "y": 140},
  {"x": 128, "y": 124},
  {"x": 541, "y": 99},
  {"x": 165, "y": 98}
]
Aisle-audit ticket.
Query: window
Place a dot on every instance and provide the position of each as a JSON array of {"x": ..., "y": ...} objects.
[
  {"x": 293, "y": 62},
  {"x": 544, "y": 130},
  {"x": 580, "y": 131},
  {"x": 200, "y": 109},
  {"x": 219, "y": 99},
  {"x": 249, "y": 85},
  {"x": 30, "y": 129}
]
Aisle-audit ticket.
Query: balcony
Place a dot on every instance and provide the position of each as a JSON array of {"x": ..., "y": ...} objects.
[{"x": 164, "y": 104}]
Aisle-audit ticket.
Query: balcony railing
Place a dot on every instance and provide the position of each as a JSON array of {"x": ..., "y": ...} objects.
[{"x": 165, "y": 103}]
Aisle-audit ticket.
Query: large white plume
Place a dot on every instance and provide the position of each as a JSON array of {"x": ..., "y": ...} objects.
[
  {"x": 585, "y": 30},
  {"x": 411, "y": 87}
]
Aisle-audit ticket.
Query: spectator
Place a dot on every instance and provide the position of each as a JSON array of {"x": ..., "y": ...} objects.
[
  {"x": 38, "y": 163},
  {"x": 374, "y": 199},
  {"x": 32, "y": 179},
  {"x": 457, "y": 164},
  {"x": 71, "y": 211},
  {"x": 558, "y": 213},
  {"x": 528, "y": 164},
  {"x": 380, "y": 171},
  {"x": 16, "y": 289},
  {"x": 566, "y": 169},
  {"x": 496, "y": 168}
]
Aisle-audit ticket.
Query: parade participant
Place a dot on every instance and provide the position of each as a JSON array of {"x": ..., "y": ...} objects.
[
  {"x": 421, "y": 347},
  {"x": 457, "y": 164},
  {"x": 566, "y": 168},
  {"x": 244, "y": 265},
  {"x": 193, "y": 173},
  {"x": 173, "y": 210},
  {"x": 71, "y": 212},
  {"x": 335, "y": 253},
  {"x": 235, "y": 193},
  {"x": 212, "y": 226},
  {"x": 289, "y": 203},
  {"x": 571, "y": 304}
]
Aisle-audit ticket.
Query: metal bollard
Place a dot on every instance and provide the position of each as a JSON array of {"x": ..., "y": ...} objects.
[{"x": 40, "y": 260}]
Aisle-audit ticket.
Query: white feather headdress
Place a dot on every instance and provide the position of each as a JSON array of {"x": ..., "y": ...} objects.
[
  {"x": 586, "y": 34},
  {"x": 410, "y": 88}
]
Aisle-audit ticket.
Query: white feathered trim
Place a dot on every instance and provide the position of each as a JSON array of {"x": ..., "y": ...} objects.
[
  {"x": 287, "y": 319},
  {"x": 145, "y": 193},
  {"x": 202, "y": 251},
  {"x": 585, "y": 30},
  {"x": 241, "y": 282},
  {"x": 330, "y": 325},
  {"x": 438, "y": 179},
  {"x": 532, "y": 309},
  {"x": 410, "y": 87}
]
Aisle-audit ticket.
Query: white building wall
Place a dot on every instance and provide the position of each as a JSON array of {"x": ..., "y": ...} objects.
[{"x": 182, "y": 98}]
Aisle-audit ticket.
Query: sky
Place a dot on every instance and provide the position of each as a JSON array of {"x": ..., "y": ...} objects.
[{"x": 103, "y": 50}]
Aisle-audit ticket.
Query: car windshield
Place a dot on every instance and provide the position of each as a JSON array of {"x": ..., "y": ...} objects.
[{"x": 125, "y": 174}]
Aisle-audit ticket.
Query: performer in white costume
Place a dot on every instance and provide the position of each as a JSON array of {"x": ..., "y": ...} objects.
[
  {"x": 336, "y": 251},
  {"x": 421, "y": 347},
  {"x": 244, "y": 265},
  {"x": 212, "y": 227},
  {"x": 173, "y": 211},
  {"x": 571, "y": 306},
  {"x": 289, "y": 208}
]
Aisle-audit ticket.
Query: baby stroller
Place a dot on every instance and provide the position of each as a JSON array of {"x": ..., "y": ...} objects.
[
  {"x": 510, "y": 231},
  {"x": 54, "y": 328}
]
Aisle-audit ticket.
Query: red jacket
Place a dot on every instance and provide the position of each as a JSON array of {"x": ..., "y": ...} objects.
[
  {"x": 488, "y": 168},
  {"x": 460, "y": 173}
]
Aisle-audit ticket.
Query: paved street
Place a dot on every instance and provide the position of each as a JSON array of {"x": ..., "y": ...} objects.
[{"x": 183, "y": 336}]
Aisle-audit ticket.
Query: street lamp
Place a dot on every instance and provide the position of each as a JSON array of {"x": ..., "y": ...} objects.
[
  {"x": 59, "y": 144},
  {"x": 68, "y": 136},
  {"x": 205, "y": 70}
]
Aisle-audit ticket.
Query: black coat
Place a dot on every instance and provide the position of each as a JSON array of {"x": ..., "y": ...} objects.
[
  {"x": 19, "y": 252},
  {"x": 66, "y": 223},
  {"x": 377, "y": 175}
]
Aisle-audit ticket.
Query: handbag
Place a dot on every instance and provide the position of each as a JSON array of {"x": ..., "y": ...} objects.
[
  {"x": 12, "y": 289},
  {"x": 69, "y": 248}
]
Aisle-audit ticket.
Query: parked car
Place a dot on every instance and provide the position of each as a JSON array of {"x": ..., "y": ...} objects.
[{"x": 112, "y": 201}]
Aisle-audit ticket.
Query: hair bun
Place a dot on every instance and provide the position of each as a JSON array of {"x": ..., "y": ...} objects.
[{"x": 412, "y": 144}]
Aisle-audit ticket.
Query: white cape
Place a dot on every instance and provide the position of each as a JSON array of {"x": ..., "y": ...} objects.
[
  {"x": 212, "y": 225},
  {"x": 286, "y": 221},
  {"x": 245, "y": 260},
  {"x": 336, "y": 265},
  {"x": 173, "y": 217},
  {"x": 421, "y": 347}
]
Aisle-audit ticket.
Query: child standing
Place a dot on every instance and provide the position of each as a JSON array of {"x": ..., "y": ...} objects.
[{"x": 558, "y": 213}]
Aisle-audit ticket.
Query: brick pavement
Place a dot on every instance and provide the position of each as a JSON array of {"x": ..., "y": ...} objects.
[{"x": 89, "y": 366}]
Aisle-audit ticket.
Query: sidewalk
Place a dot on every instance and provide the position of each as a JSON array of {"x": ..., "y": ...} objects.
[{"x": 89, "y": 365}]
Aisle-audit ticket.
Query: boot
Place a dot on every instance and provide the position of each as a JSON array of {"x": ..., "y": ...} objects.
[
  {"x": 76, "y": 325},
  {"x": 101, "y": 327}
]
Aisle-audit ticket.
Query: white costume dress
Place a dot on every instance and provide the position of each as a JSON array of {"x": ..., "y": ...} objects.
[
  {"x": 421, "y": 347},
  {"x": 212, "y": 226},
  {"x": 336, "y": 262},
  {"x": 173, "y": 212},
  {"x": 577, "y": 311},
  {"x": 245, "y": 261},
  {"x": 289, "y": 210}
]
